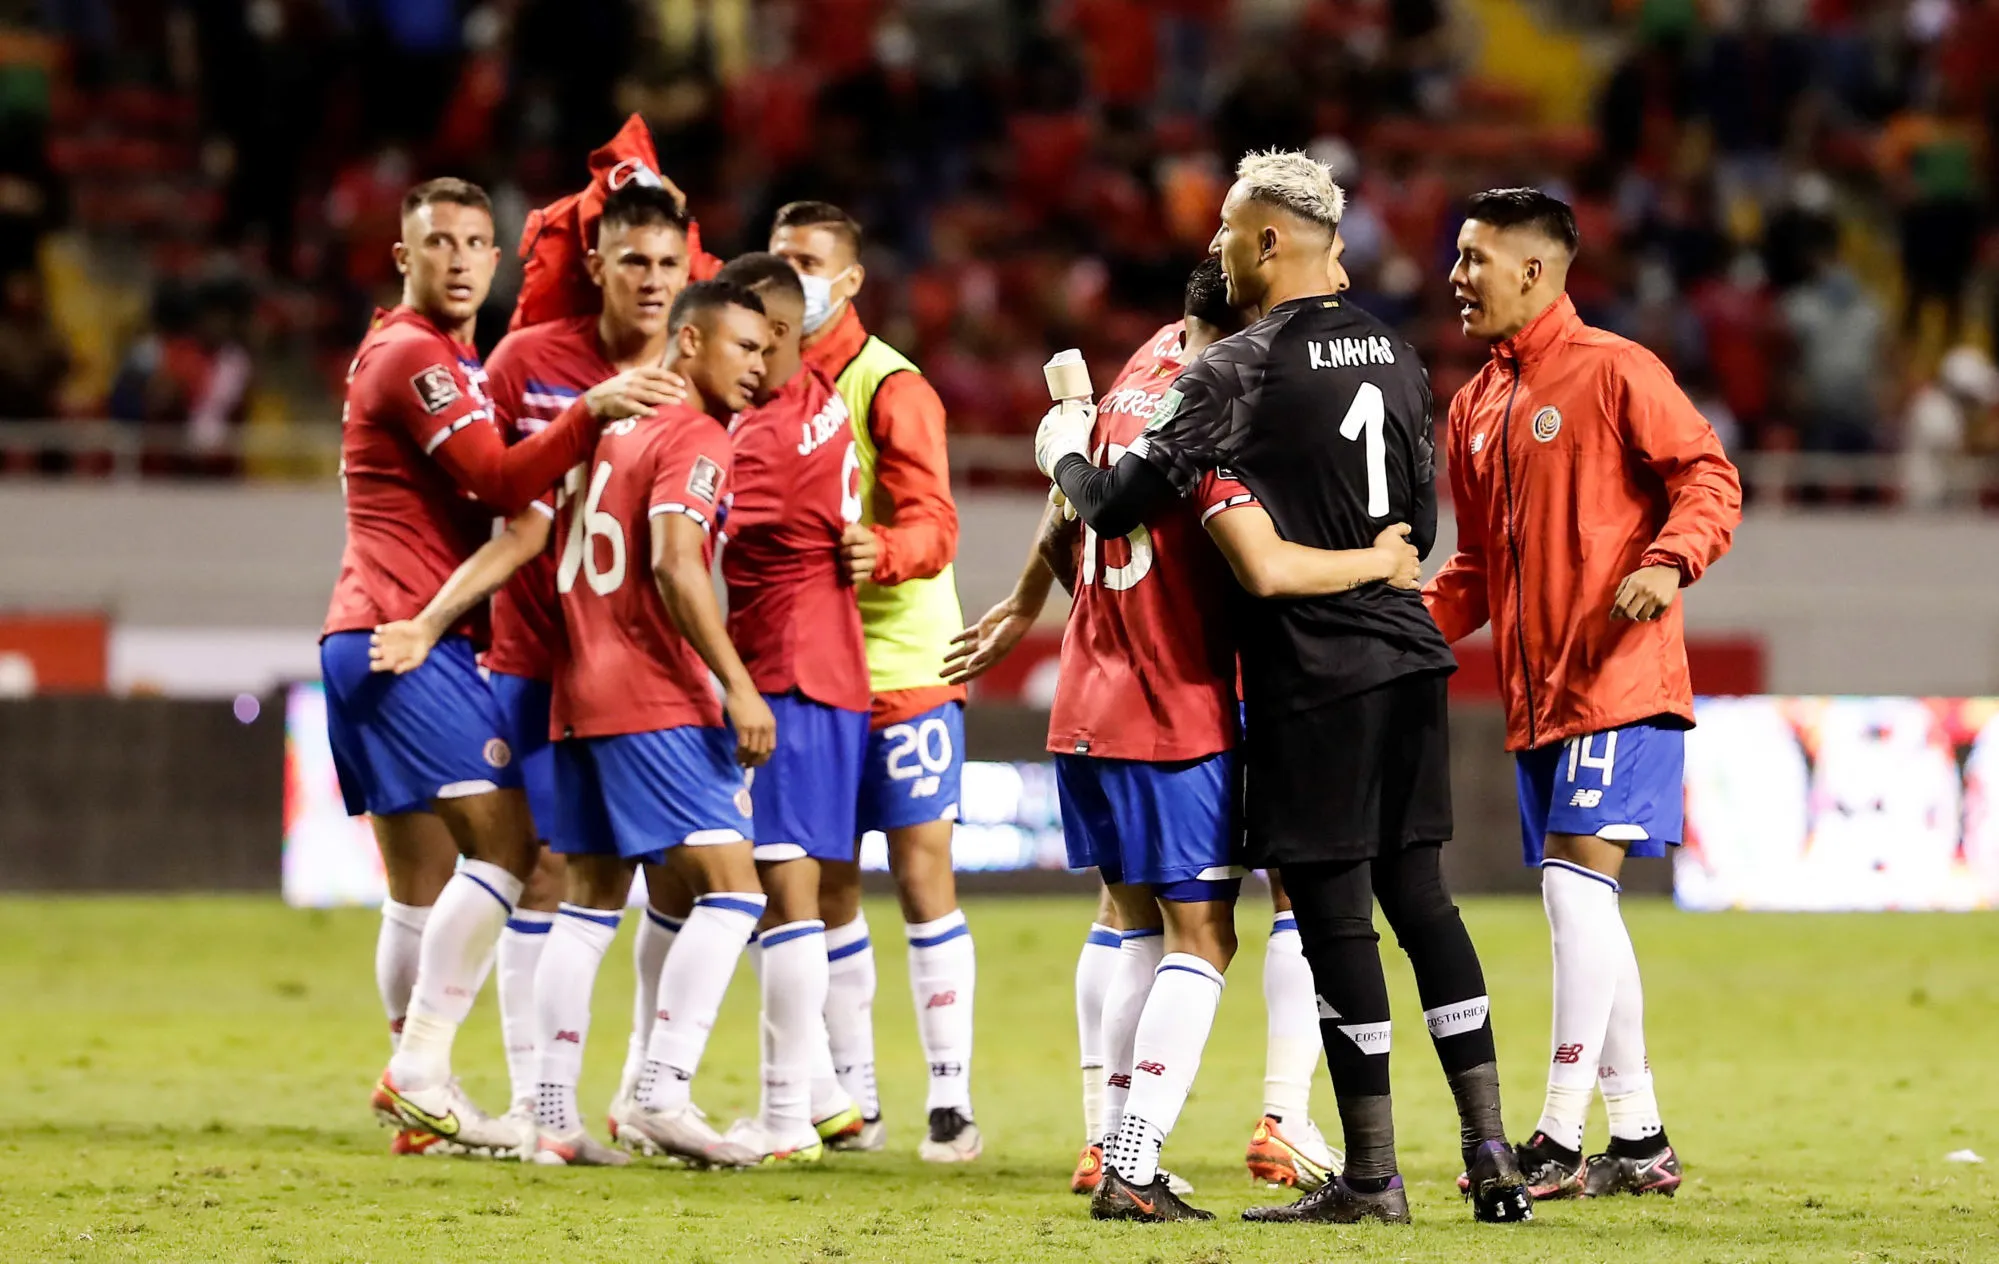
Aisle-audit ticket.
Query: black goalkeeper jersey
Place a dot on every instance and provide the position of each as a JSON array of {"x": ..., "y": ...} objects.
[{"x": 1324, "y": 412}]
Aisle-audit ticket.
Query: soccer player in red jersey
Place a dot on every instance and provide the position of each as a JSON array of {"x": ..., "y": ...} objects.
[
  {"x": 639, "y": 265},
  {"x": 795, "y": 552},
  {"x": 646, "y": 770},
  {"x": 424, "y": 753},
  {"x": 1144, "y": 729}
]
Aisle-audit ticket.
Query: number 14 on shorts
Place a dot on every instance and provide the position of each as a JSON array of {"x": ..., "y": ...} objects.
[{"x": 1583, "y": 759}]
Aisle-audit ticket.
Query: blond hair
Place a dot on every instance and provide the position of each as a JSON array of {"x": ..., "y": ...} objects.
[{"x": 1296, "y": 182}]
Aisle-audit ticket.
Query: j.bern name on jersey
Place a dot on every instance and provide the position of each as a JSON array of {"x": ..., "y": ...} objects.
[
  {"x": 1345, "y": 353},
  {"x": 827, "y": 422}
]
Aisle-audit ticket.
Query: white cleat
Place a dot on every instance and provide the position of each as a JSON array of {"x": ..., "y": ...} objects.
[
  {"x": 445, "y": 1111},
  {"x": 575, "y": 1149},
  {"x": 953, "y": 1138},
  {"x": 680, "y": 1133},
  {"x": 751, "y": 1143}
]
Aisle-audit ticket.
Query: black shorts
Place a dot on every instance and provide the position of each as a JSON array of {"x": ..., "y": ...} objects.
[{"x": 1351, "y": 779}]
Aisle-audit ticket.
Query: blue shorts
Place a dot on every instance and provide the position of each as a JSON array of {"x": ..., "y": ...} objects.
[
  {"x": 637, "y": 795},
  {"x": 401, "y": 741},
  {"x": 805, "y": 799},
  {"x": 524, "y": 713},
  {"x": 1624, "y": 785},
  {"x": 912, "y": 770},
  {"x": 1168, "y": 826}
]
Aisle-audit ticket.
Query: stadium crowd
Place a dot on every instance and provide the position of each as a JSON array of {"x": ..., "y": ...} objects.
[{"x": 1789, "y": 200}]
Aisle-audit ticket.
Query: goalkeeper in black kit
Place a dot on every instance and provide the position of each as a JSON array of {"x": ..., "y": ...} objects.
[{"x": 1325, "y": 414}]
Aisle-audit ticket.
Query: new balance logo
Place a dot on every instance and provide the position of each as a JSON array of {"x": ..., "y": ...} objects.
[
  {"x": 663, "y": 1016},
  {"x": 1151, "y": 1068},
  {"x": 938, "y": 1000},
  {"x": 924, "y": 787},
  {"x": 1586, "y": 798},
  {"x": 574, "y": 1038},
  {"x": 946, "y": 1070},
  {"x": 1118, "y": 1080},
  {"x": 1569, "y": 1055}
]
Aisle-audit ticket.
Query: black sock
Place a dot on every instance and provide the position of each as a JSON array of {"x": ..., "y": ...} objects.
[
  {"x": 1544, "y": 1144},
  {"x": 1335, "y": 905},
  {"x": 1637, "y": 1147},
  {"x": 1476, "y": 1090}
]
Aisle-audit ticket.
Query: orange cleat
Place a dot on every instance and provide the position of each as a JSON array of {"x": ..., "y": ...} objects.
[{"x": 1089, "y": 1170}]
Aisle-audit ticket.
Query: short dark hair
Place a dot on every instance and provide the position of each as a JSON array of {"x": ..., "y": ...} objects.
[
  {"x": 635, "y": 205},
  {"x": 760, "y": 269},
  {"x": 1527, "y": 208},
  {"x": 820, "y": 215},
  {"x": 699, "y": 300},
  {"x": 449, "y": 189},
  {"x": 1208, "y": 296}
]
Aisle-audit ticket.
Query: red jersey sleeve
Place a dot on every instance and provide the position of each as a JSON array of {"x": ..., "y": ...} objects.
[
  {"x": 1456, "y": 595},
  {"x": 1668, "y": 433},
  {"x": 691, "y": 473},
  {"x": 1219, "y": 491},
  {"x": 913, "y": 473},
  {"x": 506, "y": 383},
  {"x": 424, "y": 388}
]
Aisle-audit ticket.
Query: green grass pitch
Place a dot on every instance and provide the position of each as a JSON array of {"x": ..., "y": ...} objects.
[{"x": 186, "y": 1079}]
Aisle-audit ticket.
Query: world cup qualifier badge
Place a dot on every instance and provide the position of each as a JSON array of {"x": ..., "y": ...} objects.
[
  {"x": 1547, "y": 423},
  {"x": 498, "y": 753}
]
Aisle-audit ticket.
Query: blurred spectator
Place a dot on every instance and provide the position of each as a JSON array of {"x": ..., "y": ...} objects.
[
  {"x": 1836, "y": 333},
  {"x": 33, "y": 360},
  {"x": 1943, "y": 414},
  {"x": 195, "y": 371}
]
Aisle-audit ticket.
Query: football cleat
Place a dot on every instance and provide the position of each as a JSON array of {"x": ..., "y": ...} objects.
[
  {"x": 749, "y": 1143},
  {"x": 682, "y": 1132},
  {"x": 623, "y": 1109},
  {"x": 1089, "y": 1170},
  {"x": 872, "y": 1135},
  {"x": 953, "y": 1138},
  {"x": 445, "y": 1111},
  {"x": 1290, "y": 1154},
  {"x": 1337, "y": 1202},
  {"x": 1549, "y": 1174},
  {"x": 843, "y": 1123},
  {"x": 1608, "y": 1174},
  {"x": 1118, "y": 1199},
  {"x": 1495, "y": 1186},
  {"x": 412, "y": 1142},
  {"x": 575, "y": 1149}
]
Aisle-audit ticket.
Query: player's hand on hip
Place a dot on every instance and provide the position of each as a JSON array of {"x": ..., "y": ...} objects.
[
  {"x": 977, "y": 649},
  {"x": 1645, "y": 593},
  {"x": 634, "y": 393},
  {"x": 756, "y": 727},
  {"x": 1064, "y": 428},
  {"x": 399, "y": 647},
  {"x": 859, "y": 551},
  {"x": 1405, "y": 564}
]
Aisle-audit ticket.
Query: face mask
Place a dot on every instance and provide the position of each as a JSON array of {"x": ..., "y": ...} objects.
[{"x": 819, "y": 307}]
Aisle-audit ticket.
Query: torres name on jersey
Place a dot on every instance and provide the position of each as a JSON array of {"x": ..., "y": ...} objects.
[
  {"x": 628, "y": 669},
  {"x": 796, "y": 484},
  {"x": 1148, "y": 669}
]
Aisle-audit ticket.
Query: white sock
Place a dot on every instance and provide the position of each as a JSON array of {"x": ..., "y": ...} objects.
[
  {"x": 1587, "y": 930},
  {"x": 1094, "y": 967},
  {"x": 655, "y": 936},
  {"x": 1624, "y": 1073},
  {"x": 1291, "y": 1016},
  {"x": 794, "y": 1022},
  {"x": 691, "y": 986},
  {"x": 396, "y": 946},
  {"x": 1166, "y": 1056},
  {"x": 521, "y": 941},
  {"x": 943, "y": 972},
  {"x": 850, "y": 1012},
  {"x": 457, "y": 944},
  {"x": 567, "y": 976},
  {"x": 1124, "y": 1002}
]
